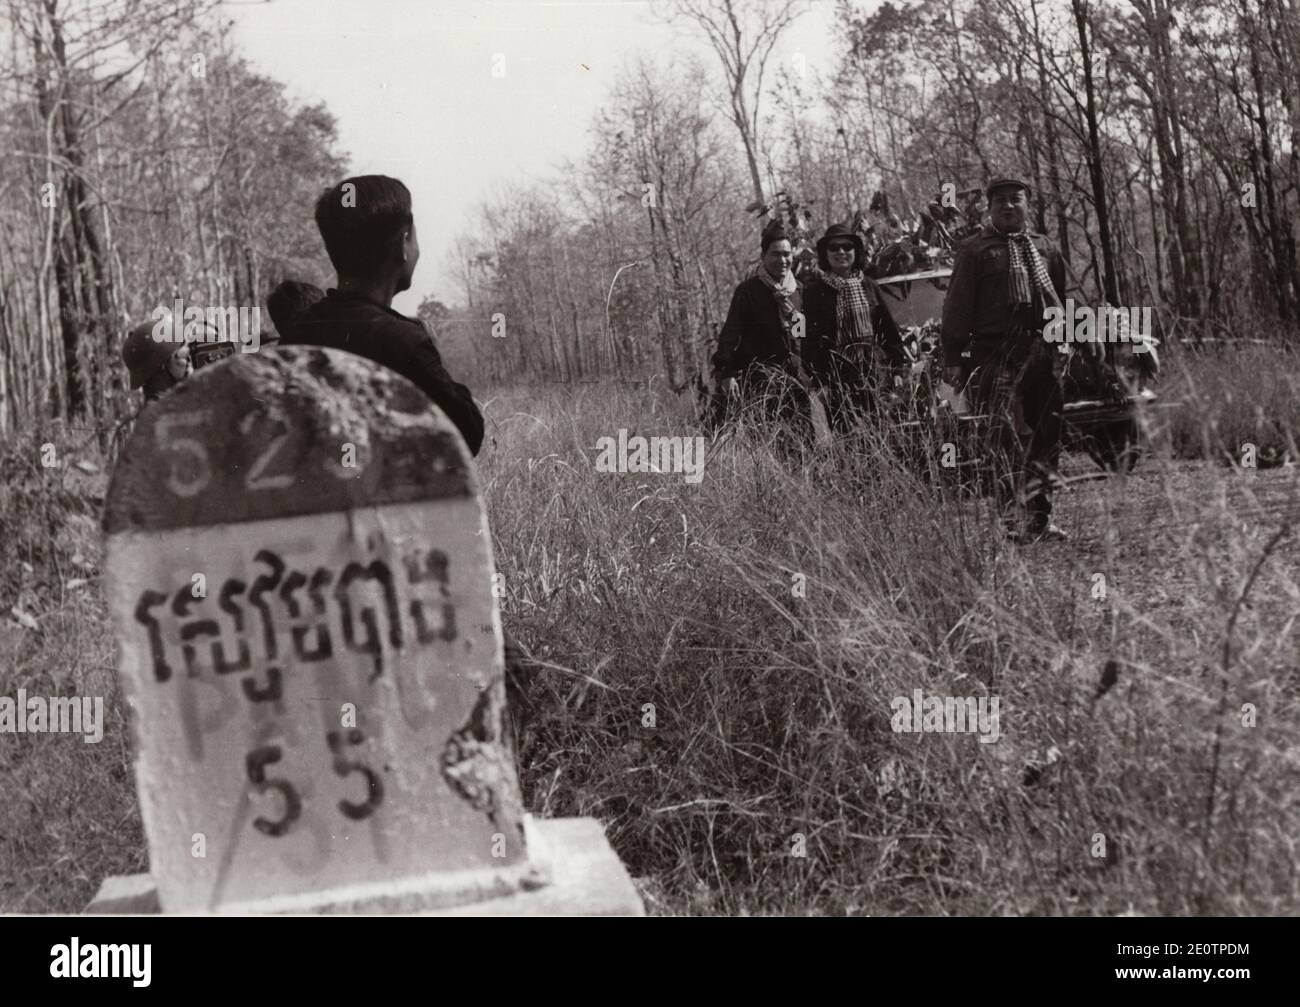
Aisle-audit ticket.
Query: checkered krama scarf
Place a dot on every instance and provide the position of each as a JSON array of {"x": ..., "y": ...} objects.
[
  {"x": 1027, "y": 267},
  {"x": 853, "y": 303},
  {"x": 784, "y": 293}
]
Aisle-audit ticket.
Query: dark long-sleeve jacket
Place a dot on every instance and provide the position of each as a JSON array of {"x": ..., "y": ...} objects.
[
  {"x": 375, "y": 331},
  {"x": 977, "y": 310},
  {"x": 824, "y": 358},
  {"x": 753, "y": 334}
]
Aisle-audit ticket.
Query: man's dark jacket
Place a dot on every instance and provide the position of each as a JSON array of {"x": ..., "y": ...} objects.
[
  {"x": 753, "y": 334},
  {"x": 977, "y": 310},
  {"x": 372, "y": 330}
]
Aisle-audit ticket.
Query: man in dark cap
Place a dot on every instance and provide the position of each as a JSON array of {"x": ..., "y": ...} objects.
[
  {"x": 1003, "y": 280},
  {"x": 757, "y": 359}
]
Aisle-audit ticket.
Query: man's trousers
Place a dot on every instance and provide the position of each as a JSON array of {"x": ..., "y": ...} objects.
[{"x": 1020, "y": 391}]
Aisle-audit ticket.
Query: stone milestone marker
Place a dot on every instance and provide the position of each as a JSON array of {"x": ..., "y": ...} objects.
[{"x": 300, "y": 575}]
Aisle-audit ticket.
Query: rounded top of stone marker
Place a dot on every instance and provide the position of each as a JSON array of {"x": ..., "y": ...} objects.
[{"x": 284, "y": 432}]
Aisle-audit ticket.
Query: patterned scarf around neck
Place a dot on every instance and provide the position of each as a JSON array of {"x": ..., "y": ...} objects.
[
  {"x": 784, "y": 293},
  {"x": 1027, "y": 266},
  {"x": 853, "y": 303}
]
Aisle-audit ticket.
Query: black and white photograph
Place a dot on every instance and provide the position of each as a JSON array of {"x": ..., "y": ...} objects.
[{"x": 682, "y": 458}]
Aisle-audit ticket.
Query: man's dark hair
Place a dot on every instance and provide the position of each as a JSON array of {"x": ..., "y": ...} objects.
[
  {"x": 774, "y": 231},
  {"x": 290, "y": 299},
  {"x": 360, "y": 224}
]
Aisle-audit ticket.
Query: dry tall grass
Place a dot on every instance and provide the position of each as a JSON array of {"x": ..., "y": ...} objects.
[
  {"x": 68, "y": 815},
  {"x": 772, "y": 712},
  {"x": 1219, "y": 399},
  {"x": 648, "y": 599}
]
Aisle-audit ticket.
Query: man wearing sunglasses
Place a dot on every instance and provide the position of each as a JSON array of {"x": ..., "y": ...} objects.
[{"x": 850, "y": 332}]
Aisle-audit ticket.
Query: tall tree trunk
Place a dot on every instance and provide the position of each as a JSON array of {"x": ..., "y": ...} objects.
[
  {"x": 1110, "y": 286},
  {"x": 1053, "y": 140}
]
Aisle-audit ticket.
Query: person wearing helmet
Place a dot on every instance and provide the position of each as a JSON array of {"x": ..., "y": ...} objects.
[{"x": 154, "y": 365}]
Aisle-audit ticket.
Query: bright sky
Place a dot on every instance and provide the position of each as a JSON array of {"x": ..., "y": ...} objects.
[{"x": 411, "y": 84}]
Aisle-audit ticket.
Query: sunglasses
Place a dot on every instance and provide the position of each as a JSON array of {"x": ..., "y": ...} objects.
[{"x": 839, "y": 248}]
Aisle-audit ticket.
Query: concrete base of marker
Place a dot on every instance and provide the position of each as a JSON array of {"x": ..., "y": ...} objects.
[{"x": 587, "y": 879}]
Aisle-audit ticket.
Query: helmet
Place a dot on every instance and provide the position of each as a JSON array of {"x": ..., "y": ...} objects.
[{"x": 145, "y": 356}]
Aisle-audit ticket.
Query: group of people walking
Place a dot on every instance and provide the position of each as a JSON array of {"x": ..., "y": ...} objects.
[
  {"x": 833, "y": 335},
  {"x": 782, "y": 340}
]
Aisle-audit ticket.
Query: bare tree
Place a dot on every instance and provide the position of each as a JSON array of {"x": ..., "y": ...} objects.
[
  {"x": 140, "y": 160},
  {"x": 743, "y": 35}
]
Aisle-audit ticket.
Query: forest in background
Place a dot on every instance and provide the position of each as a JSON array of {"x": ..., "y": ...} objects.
[
  {"x": 141, "y": 159},
  {"x": 1160, "y": 137},
  {"x": 1158, "y": 716}
]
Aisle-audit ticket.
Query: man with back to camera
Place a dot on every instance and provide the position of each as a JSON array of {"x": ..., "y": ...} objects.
[{"x": 369, "y": 234}]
